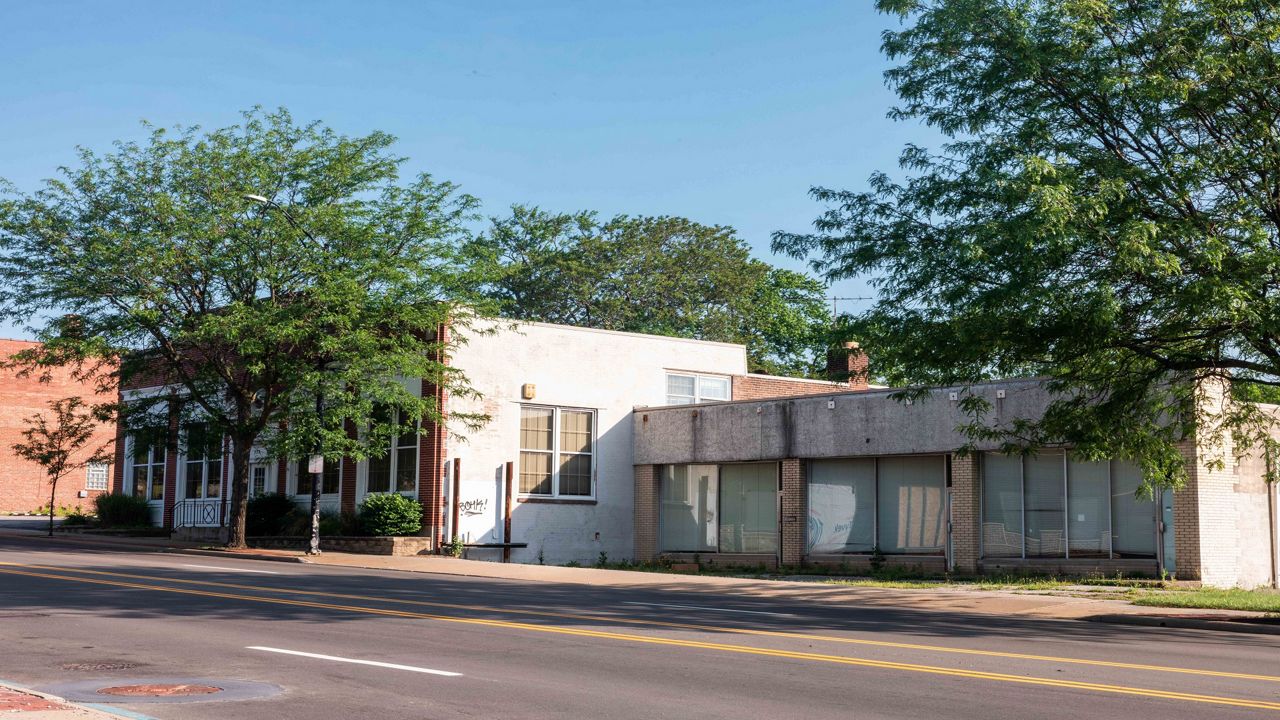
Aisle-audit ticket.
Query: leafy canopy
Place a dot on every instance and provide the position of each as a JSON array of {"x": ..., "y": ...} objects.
[
  {"x": 659, "y": 275},
  {"x": 1105, "y": 212},
  {"x": 151, "y": 255}
]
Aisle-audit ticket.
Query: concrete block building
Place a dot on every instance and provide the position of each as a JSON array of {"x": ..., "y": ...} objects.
[
  {"x": 855, "y": 478},
  {"x": 23, "y": 484}
]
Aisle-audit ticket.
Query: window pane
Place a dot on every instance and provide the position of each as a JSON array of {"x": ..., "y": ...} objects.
[
  {"x": 140, "y": 481},
  {"x": 1134, "y": 534},
  {"x": 332, "y": 477},
  {"x": 258, "y": 484},
  {"x": 535, "y": 428},
  {"x": 96, "y": 476},
  {"x": 679, "y": 399},
  {"x": 157, "y": 482},
  {"x": 710, "y": 388},
  {"x": 689, "y": 505},
  {"x": 407, "y": 469},
  {"x": 680, "y": 385},
  {"x": 535, "y": 473},
  {"x": 196, "y": 442},
  {"x": 575, "y": 431},
  {"x": 1001, "y": 505},
  {"x": 842, "y": 506},
  {"x": 1045, "y": 506},
  {"x": 195, "y": 480},
  {"x": 575, "y": 474},
  {"x": 214, "y": 487},
  {"x": 141, "y": 451},
  {"x": 379, "y": 479},
  {"x": 749, "y": 508},
  {"x": 1087, "y": 508},
  {"x": 410, "y": 437},
  {"x": 304, "y": 479},
  {"x": 910, "y": 504}
]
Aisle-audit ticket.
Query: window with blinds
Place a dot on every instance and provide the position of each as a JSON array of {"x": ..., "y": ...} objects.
[{"x": 557, "y": 451}]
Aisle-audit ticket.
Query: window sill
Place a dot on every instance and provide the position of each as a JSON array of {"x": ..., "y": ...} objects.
[{"x": 557, "y": 501}]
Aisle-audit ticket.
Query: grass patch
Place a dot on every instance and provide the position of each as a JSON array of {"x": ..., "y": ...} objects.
[{"x": 1267, "y": 601}]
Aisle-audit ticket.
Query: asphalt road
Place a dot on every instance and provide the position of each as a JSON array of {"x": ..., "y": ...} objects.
[{"x": 503, "y": 649}]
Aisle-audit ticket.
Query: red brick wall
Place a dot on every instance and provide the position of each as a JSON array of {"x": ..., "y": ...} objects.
[
  {"x": 23, "y": 484},
  {"x": 760, "y": 387},
  {"x": 432, "y": 446}
]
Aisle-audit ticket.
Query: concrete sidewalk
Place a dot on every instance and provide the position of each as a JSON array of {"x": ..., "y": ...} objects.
[
  {"x": 1055, "y": 604},
  {"x": 20, "y": 703}
]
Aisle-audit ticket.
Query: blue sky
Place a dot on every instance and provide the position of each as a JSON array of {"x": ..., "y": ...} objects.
[{"x": 724, "y": 112}]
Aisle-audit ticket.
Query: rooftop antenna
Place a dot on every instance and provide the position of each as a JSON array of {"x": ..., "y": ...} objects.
[{"x": 836, "y": 300}]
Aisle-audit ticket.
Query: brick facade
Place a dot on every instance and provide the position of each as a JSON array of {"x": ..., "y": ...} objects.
[
  {"x": 647, "y": 506},
  {"x": 432, "y": 451},
  {"x": 23, "y": 484},
  {"x": 795, "y": 511},
  {"x": 966, "y": 509},
  {"x": 761, "y": 387}
]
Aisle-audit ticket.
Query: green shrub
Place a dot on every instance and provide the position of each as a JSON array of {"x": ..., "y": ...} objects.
[
  {"x": 75, "y": 518},
  {"x": 343, "y": 523},
  {"x": 390, "y": 514},
  {"x": 120, "y": 510},
  {"x": 268, "y": 514}
]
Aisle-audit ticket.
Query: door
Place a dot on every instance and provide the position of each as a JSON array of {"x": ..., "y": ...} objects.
[{"x": 1168, "y": 559}]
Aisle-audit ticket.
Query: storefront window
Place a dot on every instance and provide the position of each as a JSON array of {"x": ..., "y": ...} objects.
[
  {"x": 1070, "y": 508},
  {"x": 727, "y": 508},
  {"x": 689, "y": 506},
  {"x": 896, "y": 504}
]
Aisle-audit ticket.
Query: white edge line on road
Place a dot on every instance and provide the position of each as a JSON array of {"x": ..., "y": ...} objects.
[
  {"x": 393, "y": 666},
  {"x": 230, "y": 569},
  {"x": 713, "y": 609}
]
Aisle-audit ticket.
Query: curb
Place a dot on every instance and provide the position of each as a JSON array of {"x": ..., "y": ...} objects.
[
  {"x": 234, "y": 554},
  {"x": 97, "y": 709},
  {"x": 1254, "y": 626},
  {"x": 169, "y": 549}
]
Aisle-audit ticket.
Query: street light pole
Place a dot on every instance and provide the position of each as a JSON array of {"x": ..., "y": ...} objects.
[{"x": 315, "y": 464}]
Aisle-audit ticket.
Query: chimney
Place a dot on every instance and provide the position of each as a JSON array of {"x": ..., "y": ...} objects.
[{"x": 848, "y": 364}]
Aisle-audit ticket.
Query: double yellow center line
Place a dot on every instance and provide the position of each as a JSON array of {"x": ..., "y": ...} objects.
[{"x": 32, "y": 571}]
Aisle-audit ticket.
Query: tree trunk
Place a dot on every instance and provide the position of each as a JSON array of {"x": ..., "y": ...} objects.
[
  {"x": 240, "y": 449},
  {"x": 53, "y": 493}
]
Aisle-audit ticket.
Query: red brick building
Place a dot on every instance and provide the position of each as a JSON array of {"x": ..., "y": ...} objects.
[{"x": 23, "y": 484}]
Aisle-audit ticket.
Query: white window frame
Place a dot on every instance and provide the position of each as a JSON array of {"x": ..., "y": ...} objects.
[
  {"x": 97, "y": 476},
  {"x": 294, "y": 476},
  {"x": 393, "y": 464},
  {"x": 131, "y": 443},
  {"x": 555, "y": 452},
  {"x": 183, "y": 459},
  {"x": 697, "y": 387}
]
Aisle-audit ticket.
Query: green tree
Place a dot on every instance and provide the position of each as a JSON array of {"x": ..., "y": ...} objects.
[
  {"x": 331, "y": 285},
  {"x": 57, "y": 442},
  {"x": 661, "y": 275},
  {"x": 1104, "y": 211}
]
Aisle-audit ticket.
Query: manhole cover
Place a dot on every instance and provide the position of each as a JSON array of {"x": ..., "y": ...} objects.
[
  {"x": 154, "y": 689},
  {"x": 99, "y": 666},
  {"x": 159, "y": 690}
]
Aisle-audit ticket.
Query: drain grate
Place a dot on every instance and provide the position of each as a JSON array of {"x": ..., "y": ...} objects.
[{"x": 98, "y": 666}]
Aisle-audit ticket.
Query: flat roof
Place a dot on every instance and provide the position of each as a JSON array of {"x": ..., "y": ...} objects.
[{"x": 872, "y": 390}]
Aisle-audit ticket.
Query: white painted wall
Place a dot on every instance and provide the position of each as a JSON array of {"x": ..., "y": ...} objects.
[{"x": 609, "y": 372}]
